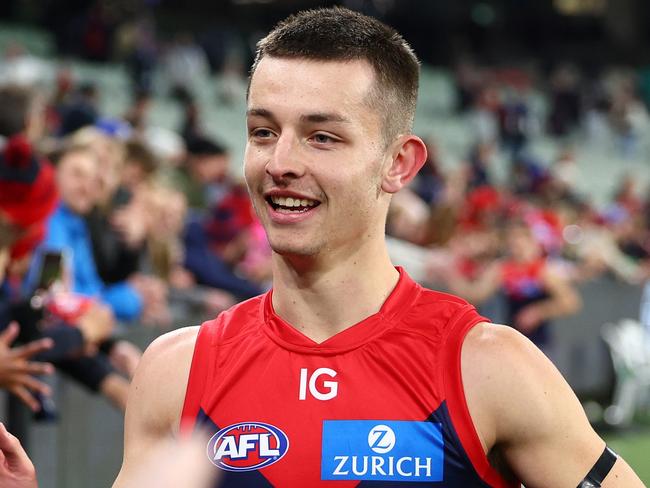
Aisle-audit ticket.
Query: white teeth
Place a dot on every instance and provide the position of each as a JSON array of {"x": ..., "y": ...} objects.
[{"x": 293, "y": 202}]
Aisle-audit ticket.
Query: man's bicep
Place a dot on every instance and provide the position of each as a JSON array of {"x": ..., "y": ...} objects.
[
  {"x": 156, "y": 398},
  {"x": 550, "y": 441},
  {"x": 538, "y": 423}
]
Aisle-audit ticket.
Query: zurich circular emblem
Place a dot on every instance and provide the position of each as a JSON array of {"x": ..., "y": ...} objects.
[{"x": 381, "y": 439}]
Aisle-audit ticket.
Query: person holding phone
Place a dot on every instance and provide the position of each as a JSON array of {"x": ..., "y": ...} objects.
[{"x": 28, "y": 196}]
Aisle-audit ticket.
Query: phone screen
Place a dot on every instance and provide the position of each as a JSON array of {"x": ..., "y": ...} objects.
[{"x": 51, "y": 269}]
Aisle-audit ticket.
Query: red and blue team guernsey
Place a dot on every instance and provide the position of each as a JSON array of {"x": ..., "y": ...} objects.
[{"x": 378, "y": 404}]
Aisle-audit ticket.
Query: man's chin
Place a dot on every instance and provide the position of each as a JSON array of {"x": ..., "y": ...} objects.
[{"x": 297, "y": 250}]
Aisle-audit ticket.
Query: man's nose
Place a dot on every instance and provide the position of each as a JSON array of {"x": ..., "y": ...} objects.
[{"x": 285, "y": 161}]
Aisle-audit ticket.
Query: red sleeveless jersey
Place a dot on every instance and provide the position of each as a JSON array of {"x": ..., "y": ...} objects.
[{"x": 378, "y": 404}]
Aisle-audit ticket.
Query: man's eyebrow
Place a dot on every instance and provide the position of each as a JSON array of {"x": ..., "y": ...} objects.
[
  {"x": 260, "y": 112},
  {"x": 324, "y": 117},
  {"x": 313, "y": 117}
]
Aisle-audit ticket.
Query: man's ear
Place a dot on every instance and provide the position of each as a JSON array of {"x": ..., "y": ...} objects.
[{"x": 408, "y": 157}]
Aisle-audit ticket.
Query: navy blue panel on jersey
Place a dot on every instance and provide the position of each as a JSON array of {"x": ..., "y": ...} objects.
[{"x": 456, "y": 461}]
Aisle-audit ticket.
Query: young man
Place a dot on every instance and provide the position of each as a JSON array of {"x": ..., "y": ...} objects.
[{"x": 348, "y": 370}]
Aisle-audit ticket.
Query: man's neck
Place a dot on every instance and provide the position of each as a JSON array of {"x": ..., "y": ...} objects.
[{"x": 321, "y": 299}]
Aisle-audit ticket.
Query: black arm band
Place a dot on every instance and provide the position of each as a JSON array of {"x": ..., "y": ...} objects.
[{"x": 602, "y": 467}]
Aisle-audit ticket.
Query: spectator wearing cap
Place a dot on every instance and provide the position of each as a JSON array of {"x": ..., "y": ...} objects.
[
  {"x": 28, "y": 194},
  {"x": 22, "y": 179},
  {"x": 204, "y": 180}
]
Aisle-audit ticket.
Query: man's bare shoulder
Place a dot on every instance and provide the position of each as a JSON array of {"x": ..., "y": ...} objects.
[
  {"x": 490, "y": 348},
  {"x": 173, "y": 346},
  {"x": 508, "y": 382},
  {"x": 161, "y": 378},
  {"x": 156, "y": 398},
  {"x": 489, "y": 345}
]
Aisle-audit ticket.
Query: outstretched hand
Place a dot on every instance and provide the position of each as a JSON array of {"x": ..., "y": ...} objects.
[
  {"x": 16, "y": 469},
  {"x": 16, "y": 371}
]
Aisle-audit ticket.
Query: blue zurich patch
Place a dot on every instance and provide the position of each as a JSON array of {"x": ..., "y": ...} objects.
[{"x": 382, "y": 450}]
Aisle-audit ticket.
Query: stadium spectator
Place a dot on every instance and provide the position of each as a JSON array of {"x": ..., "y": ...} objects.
[
  {"x": 138, "y": 114},
  {"x": 214, "y": 210},
  {"x": 79, "y": 110},
  {"x": 186, "y": 66},
  {"x": 565, "y": 113},
  {"x": 429, "y": 182},
  {"x": 118, "y": 222},
  {"x": 203, "y": 177},
  {"x": 479, "y": 165},
  {"x": 118, "y": 225},
  {"x": 28, "y": 194},
  {"x": 515, "y": 121},
  {"x": 140, "y": 165},
  {"x": 535, "y": 293},
  {"x": 565, "y": 174},
  {"x": 77, "y": 175},
  {"x": 143, "y": 58}
]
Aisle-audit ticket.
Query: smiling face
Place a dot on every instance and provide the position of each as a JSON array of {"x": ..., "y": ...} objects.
[
  {"x": 77, "y": 179},
  {"x": 316, "y": 156}
]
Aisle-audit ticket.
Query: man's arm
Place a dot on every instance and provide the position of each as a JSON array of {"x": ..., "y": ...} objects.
[
  {"x": 521, "y": 405},
  {"x": 475, "y": 291},
  {"x": 155, "y": 399},
  {"x": 563, "y": 299}
]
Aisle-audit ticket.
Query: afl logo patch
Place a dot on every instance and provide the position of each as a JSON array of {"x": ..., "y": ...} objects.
[{"x": 247, "y": 446}]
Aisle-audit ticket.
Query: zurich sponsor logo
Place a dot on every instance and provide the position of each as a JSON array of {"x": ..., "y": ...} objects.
[
  {"x": 247, "y": 446},
  {"x": 382, "y": 450},
  {"x": 381, "y": 439}
]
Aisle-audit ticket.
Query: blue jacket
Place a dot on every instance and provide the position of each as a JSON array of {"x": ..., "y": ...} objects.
[{"x": 68, "y": 232}]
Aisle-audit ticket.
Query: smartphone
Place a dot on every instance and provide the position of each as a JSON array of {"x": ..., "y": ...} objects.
[{"x": 51, "y": 270}]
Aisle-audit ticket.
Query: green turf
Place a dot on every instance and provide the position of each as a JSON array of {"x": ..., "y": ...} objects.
[{"x": 635, "y": 449}]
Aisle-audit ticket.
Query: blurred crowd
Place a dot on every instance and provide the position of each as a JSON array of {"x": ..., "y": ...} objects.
[
  {"x": 108, "y": 223},
  {"x": 517, "y": 247},
  {"x": 100, "y": 232}
]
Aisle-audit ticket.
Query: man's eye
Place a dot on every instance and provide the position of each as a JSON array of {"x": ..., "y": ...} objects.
[
  {"x": 261, "y": 133},
  {"x": 322, "y": 139}
]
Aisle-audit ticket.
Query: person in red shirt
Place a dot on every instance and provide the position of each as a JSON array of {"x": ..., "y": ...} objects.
[{"x": 534, "y": 292}]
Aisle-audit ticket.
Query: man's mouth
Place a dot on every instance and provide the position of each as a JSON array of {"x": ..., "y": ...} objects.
[{"x": 291, "y": 204}]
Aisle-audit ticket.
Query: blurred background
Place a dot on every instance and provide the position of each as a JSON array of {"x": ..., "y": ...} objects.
[{"x": 123, "y": 213}]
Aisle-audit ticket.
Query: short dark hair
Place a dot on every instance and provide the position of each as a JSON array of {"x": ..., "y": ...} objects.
[
  {"x": 204, "y": 146},
  {"x": 15, "y": 104},
  {"x": 138, "y": 153},
  {"x": 340, "y": 34}
]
